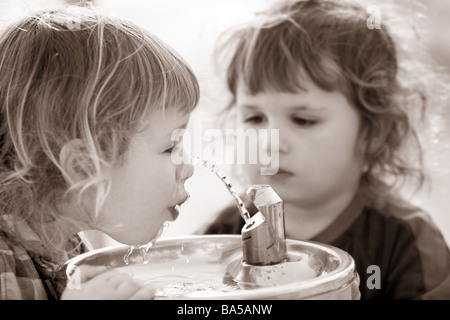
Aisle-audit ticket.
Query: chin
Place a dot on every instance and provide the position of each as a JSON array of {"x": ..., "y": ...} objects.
[
  {"x": 153, "y": 236},
  {"x": 148, "y": 236}
]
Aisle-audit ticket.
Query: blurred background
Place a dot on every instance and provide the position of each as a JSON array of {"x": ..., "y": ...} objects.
[{"x": 192, "y": 27}]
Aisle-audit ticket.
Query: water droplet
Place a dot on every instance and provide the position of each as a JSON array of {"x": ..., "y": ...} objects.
[
  {"x": 144, "y": 248},
  {"x": 144, "y": 254},
  {"x": 126, "y": 258}
]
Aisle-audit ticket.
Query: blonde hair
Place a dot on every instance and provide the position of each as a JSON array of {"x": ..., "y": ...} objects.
[
  {"x": 330, "y": 42},
  {"x": 75, "y": 73}
]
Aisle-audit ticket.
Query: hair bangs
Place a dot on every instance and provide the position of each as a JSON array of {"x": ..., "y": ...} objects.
[
  {"x": 279, "y": 58},
  {"x": 169, "y": 82}
]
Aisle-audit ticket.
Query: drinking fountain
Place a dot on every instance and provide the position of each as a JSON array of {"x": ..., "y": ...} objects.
[{"x": 258, "y": 264}]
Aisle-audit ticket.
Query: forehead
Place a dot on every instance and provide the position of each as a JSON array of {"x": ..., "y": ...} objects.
[
  {"x": 161, "y": 124},
  {"x": 310, "y": 96}
]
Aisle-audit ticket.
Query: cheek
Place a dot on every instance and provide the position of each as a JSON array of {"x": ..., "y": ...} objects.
[
  {"x": 339, "y": 158},
  {"x": 155, "y": 188},
  {"x": 137, "y": 216},
  {"x": 327, "y": 152},
  {"x": 341, "y": 136},
  {"x": 141, "y": 190}
]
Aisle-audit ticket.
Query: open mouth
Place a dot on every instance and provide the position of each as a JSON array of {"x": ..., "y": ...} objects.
[{"x": 174, "y": 212}]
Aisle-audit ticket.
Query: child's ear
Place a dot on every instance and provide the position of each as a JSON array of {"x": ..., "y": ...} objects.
[{"x": 72, "y": 161}]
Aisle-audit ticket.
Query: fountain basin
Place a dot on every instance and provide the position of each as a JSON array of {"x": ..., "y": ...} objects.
[{"x": 211, "y": 267}]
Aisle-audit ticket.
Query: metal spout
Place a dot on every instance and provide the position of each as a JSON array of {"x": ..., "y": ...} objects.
[{"x": 264, "y": 240}]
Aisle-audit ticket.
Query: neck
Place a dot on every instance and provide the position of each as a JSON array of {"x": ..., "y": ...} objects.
[
  {"x": 305, "y": 222},
  {"x": 67, "y": 223}
]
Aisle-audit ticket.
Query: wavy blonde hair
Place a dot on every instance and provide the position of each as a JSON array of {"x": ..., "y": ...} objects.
[
  {"x": 75, "y": 73},
  {"x": 382, "y": 75}
]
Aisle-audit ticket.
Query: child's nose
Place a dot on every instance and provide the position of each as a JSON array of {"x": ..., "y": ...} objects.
[
  {"x": 283, "y": 142},
  {"x": 283, "y": 145},
  {"x": 276, "y": 140}
]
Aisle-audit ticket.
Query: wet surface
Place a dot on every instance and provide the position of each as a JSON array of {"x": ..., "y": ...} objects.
[{"x": 210, "y": 267}]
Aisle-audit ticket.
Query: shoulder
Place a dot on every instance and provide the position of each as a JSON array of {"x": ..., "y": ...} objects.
[
  {"x": 9, "y": 260},
  {"x": 432, "y": 249},
  {"x": 398, "y": 220},
  {"x": 9, "y": 252},
  {"x": 415, "y": 221},
  {"x": 407, "y": 245},
  {"x": 18, "y": 276}
]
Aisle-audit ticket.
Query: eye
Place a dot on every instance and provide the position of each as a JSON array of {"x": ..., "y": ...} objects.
[
  {"x": 254, "y": 119},
  {"x": 303, "y": 122},
  {"x": 169, "y": 150},
  {"x": 177, "y": 146}
]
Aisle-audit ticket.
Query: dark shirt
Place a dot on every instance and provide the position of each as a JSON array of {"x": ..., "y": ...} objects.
[{"x": 411, "y": 253}]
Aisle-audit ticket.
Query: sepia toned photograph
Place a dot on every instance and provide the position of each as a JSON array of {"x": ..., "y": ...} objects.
[{"x": 236, "y": 152}]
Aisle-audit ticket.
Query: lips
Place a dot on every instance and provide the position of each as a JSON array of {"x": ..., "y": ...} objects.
[
  {"x": 175, "y": 209},
  {"x": 174, "y": 212},
  {"x": 282, "y": 172}
]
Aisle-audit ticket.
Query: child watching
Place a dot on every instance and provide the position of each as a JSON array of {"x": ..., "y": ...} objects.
[
  {"x": 88, "y": 104},
  {"x": 333, "y": 87}
]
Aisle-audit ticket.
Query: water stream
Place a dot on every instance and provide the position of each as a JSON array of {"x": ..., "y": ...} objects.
[{"x": 143, "y": 249}]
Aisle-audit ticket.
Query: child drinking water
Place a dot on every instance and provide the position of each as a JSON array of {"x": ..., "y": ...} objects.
[
  {"x": 331, "y": 85},
  {"x": 88, "y": 104}
]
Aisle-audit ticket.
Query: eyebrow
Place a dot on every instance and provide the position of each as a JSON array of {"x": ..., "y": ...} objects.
[{"x": 293, "y": 108}]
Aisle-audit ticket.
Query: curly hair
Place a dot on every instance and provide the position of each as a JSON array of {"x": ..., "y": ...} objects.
[
  {"x": 75, "y": 73},
  {"x": 332, "y": 44}
]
